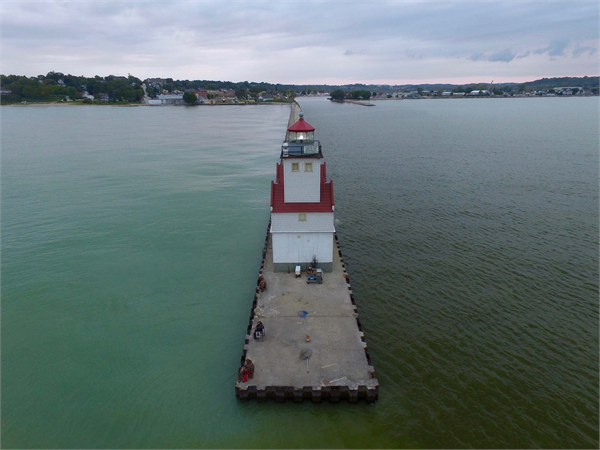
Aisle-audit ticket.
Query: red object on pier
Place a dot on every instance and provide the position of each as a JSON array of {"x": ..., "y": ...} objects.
[{"x": 300, "y": 126}]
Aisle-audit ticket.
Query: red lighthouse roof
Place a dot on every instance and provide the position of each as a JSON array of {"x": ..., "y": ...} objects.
[{"x": 301, "y": 125}]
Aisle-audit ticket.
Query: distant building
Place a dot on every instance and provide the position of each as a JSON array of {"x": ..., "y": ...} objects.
[
  {"x": 446, "y": 94},
  {"x": 5, "y": 91},
  {"x": 171, "y": 99},
  {"x": 569, "y": 90},
  {"x": 157, "y": 81},
  {"x": 478, "y": 92},
  {"x": 87, "y": 95},
  {"x": 61, "y": 82}
]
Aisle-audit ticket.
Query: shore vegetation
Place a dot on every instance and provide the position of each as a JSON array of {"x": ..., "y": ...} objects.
[{"x": 57, "y": 87}]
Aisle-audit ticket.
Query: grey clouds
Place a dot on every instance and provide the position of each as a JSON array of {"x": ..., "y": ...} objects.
[{"x": 303, "y": 42}]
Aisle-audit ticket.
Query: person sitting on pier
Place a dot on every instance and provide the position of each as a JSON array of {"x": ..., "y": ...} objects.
[
  {"x": 246, "y": 371},
  {"x": 262, "y": 284},
  {"x": 259, "y": 331}
]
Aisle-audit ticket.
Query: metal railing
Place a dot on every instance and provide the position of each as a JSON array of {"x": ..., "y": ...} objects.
[{"x": 308, "y": 148}]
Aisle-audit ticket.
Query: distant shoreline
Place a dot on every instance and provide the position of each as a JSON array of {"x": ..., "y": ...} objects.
[
  {"x": 484, "y": 96},
  {"x": 366, "y": 102},
  {"x": 357, "y": 102},
  {"x": 70, "y": 104},
  {"x": 350, "y": 101},
  {"x": 135, "y": 105}
]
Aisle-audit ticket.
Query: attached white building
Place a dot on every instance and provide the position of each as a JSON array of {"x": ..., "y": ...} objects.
[
  {"x": 171, "y": 99},
  {"x": 302, "y": 203}
]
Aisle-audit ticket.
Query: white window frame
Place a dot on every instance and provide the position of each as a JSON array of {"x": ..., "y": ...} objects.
[
  {"x": 307, "y": 166},
  {"x": 295, "y": 167},
  {"x": 302, "y": 217}
]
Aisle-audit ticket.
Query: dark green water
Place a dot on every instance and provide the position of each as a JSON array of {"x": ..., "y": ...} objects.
[{"x": 131, "y": 240}]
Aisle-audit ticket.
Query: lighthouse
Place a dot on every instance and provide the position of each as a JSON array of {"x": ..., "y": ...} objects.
[{"x": 302, "y": 205}]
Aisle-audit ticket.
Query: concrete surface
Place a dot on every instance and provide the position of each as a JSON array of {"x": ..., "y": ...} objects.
[{"x": 338, "y": 351}]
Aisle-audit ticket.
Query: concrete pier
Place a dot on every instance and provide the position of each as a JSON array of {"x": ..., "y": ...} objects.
[
  {"x": 294, "y": 116},
  {"x": 339, "y": 367}
]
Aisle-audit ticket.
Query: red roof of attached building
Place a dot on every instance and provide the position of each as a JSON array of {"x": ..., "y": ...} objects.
[
  {"x": 301, "y": 125},
  {"x": 278, "y": 196}
]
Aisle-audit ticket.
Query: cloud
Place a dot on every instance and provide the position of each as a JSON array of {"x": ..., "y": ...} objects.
[
  {"x": 581, "y": 49},
  {"x": 556, "y": 48},
  {"x": 212, "y": 40},
  {"x": 477, "y": 56},
  {"x": 503, "y": 56},
  {"x": 413, "y": 55}
]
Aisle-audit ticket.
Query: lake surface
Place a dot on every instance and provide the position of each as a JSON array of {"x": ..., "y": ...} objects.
[{"x": 131, "y": 240}]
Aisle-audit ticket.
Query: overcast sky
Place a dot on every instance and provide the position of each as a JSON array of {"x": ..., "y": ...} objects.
[{"x": 303, "y": 41}]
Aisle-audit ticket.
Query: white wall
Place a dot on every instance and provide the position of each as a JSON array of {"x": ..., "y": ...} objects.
[
  {"x": 301, "y": 247},
  {"x": 289, "y": 222},
  {"x": 302, "y": 186}
]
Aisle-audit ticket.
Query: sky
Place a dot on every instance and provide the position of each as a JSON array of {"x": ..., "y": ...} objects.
[{"x": 303, "y": 42}]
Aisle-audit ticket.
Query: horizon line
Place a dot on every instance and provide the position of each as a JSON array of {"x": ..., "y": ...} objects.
[{"x": 339, "y": 82}]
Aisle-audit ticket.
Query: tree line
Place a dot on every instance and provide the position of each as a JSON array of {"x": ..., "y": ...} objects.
[
  {"x": 57, "y": 86},
  {"x": 128, "y": 89},
  {"x": 338, "y": 94}
]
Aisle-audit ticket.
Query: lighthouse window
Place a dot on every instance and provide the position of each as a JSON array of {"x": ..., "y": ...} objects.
[
  {"x": 302, "y": 217},
  {"x": 295, "y": 167},
  {"x": 308, "y": 167}
]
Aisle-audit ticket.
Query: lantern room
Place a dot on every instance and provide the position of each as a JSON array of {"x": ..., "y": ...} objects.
[
  {"x": 301, "y": 131},
  {"x": 300, "y": 141}
]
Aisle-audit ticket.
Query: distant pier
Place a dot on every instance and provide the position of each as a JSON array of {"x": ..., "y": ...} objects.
[
  {"x": 339, "y": 365},
  {"x": 354, "y": 102}
]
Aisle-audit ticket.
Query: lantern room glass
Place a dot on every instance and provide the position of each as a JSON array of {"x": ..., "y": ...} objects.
[{"x": 304, "y": 136}]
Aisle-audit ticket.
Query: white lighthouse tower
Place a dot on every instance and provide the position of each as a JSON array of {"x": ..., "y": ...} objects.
[{"x": 302, "y": 203}]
